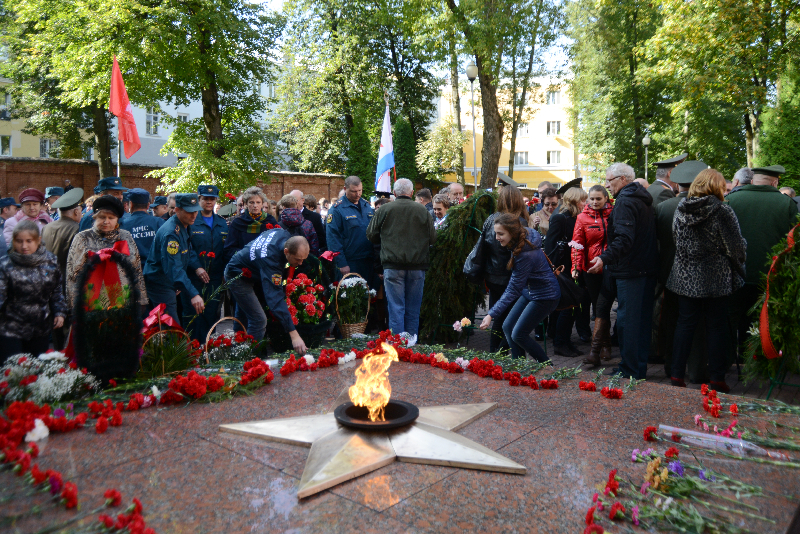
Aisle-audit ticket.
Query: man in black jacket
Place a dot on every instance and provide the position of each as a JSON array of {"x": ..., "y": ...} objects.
[{"x": 632, "y": 262}]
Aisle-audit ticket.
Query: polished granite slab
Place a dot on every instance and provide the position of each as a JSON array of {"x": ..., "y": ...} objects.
[{"x": 191, "y": 478}]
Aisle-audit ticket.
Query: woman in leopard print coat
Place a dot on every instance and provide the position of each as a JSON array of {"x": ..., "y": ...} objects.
[{"x": 709, "y": 266}]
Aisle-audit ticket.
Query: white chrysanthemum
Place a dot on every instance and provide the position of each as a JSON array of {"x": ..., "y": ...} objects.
[
  {"x": 349, "y": 357},
  {"x": 39, "y": 432}
]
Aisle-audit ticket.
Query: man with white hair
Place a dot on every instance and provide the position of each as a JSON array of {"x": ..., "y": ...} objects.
[
  {"x": 743, "y": 176},
  {"x": 404, "y": 229},
  {"x": 632, "y": 262}
]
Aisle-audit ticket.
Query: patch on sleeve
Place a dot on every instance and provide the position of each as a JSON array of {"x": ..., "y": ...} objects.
[
  {"x": 172, "y": 247},
  {"x": 329, "y": 219},
  {"x": 277, "y": 279}
]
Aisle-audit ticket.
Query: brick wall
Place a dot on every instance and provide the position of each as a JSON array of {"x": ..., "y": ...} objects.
[{"x": 18, "y": 174}]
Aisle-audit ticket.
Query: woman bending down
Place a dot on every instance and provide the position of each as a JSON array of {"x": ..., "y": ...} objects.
[{"x": 533, "y": 287}]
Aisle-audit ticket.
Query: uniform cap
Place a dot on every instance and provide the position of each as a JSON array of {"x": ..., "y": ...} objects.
[
  {"x": 8, "y": 201},
  {"x": 671, "y": 162},
  {"x": 569, "y": 185},
  {"x": 53, "y": 192},
  {"x": 187, "y": 202},
  {"x": 686, "y": 172},
  {"x": 208, "y": 191},
  {"x": 773, "y": 170},
  {"x": 69, "y": 200},
  {"x": 112, "y": 182},
  {"x": 506, "y": 180},
  {"x": 138, "y": 195},
  {"x": 159, "y": 201}
]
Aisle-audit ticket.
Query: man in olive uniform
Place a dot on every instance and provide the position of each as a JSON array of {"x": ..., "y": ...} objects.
[
  {"x": 207, "y": 237},
  {"x": 665, "y": 316},
  {"x": 165, "y": 270},
  {"x": 57, "y": 237},
  {"x": 663, "y": 188},
  {"x": 765, "y": 217}
]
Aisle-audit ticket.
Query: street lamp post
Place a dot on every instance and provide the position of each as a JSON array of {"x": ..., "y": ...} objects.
[
  {"x": 646, "y": 143},
  {"x": 472, "y": 73}
]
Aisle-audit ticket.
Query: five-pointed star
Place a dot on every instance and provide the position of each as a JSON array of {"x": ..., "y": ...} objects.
[{"x": 339, "y": 454}]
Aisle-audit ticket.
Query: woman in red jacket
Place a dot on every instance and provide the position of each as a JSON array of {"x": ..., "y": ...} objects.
[{"x": 589, "y": 240}]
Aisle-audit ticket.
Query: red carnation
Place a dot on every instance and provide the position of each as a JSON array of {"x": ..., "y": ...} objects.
[
  {"x": 290, "y": 288},
  {"x": 202, "y": 253},
  {"x": 247, "y": 273},
  {"x": 112, "y": 383},
  {"x": 211, "y": 255},
  {"x": 319, "y": 288},
  {"x": 101, "y": 425},
  {"x": 116, "y": 418},
  {"x": 617, "y": 510},
  {"x": 310, "y": 309},
  {"x": 594, "y": 528},
  {"x": 215, "y": 383},
  {"x": 650, "y": 433},
  {"x": 672, "y": 452},
  {"x": 704, "y": 389},
  {"x": 590, "y": 515},
  {"x": 37, "y": 475},
  {"x": 107, "y": 521},
  {"x": 734, "y": 409},
  {"x": 70, "y": 495},
  {"x": 113, "y": 497}
]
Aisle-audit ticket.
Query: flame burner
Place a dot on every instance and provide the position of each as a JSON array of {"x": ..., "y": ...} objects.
[{"x": 396, "y": 414}]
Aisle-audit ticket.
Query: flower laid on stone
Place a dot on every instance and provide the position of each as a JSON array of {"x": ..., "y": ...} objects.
[
  {"x": 239, "y": 346},
  {"x": 587, "y": 386},
  {"x": 44, "y": 379},
  {"x": 611, "y": 393}
]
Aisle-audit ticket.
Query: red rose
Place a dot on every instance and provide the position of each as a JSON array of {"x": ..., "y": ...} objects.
[
  {"x": 70, "y": 495},
  {"x": 247, "y": 273},
  {"x": 650, "y": 433},
  {"x": 113, "y": 497}
]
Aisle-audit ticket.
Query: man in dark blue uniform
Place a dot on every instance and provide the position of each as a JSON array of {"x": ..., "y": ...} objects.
[
  {"x": 346, "y": 230},
  {"x": 106, "y": 186},
  {"x": 51, "y": 195},
  {"x": 264, "y": 259},
  {"x": 165, "y": 270},
  {"x": 159, "y": 207},
  {"x": 139, "y": 223},
  {"x": 207, "y": 237}
]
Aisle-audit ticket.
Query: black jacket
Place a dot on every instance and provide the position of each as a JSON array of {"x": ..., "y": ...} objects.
[
  {"x": 493, "y": 255},
  {"x": 316, "y": 220},
  {"x": 562, "y": 226},
  {"x": 632, "y": 246}
]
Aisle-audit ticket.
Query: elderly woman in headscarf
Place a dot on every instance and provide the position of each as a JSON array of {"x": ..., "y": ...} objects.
[{"x": 104, "y": 233}]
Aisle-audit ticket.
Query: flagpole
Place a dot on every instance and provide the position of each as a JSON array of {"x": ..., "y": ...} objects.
[{"x": 119, "y": 159}]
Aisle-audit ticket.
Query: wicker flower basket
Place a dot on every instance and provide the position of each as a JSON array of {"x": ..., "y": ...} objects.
[
  {"x": 355, "y": 328},
  {"x": 211, "y": 332}
]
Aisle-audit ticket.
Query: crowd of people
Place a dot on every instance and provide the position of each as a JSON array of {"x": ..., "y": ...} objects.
[{"x": 691, "y": 247}]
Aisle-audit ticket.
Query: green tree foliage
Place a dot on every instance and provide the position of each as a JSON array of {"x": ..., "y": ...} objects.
[
  {"x": 729, "y": 49},
  {"x": 779, "y": 140},
  {"x": 441, "y": 153},
  {"x": 405, "y": 150},
  {"x": 362, "y": 156},
  {"x": 341, "y": 57}
]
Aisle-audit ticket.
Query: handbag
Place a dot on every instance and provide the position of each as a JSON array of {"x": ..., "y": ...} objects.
[
  {"x": 473, "y": 265},
  {"x": 571, "y": 293}
]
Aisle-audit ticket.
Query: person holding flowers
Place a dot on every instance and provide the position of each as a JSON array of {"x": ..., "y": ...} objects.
[
  {"x": 263, "y": 260},
  {"x": 532, "y": 291},
  {"x": 250, "y": 224}
]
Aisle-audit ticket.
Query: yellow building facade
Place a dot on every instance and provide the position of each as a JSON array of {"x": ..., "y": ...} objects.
[
  {"x": 14, "y": 143},
  {"x": 543, "y": 150}
]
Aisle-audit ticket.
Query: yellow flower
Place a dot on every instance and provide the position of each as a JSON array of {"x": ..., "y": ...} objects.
[
  {"x": 465, "y": 322},
  {"x": 440, "y": 357}
]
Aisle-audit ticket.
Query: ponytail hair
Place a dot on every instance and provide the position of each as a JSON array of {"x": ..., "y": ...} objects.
[{"x": 519, "y": 235}]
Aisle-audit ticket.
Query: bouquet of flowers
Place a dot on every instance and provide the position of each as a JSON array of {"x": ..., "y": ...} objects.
[
  {"x": 239, "y": 346},
  {"x": 304, "y": 300},
  {"x": 353, "y": 300},
  {"x": 44, "y": 379}
]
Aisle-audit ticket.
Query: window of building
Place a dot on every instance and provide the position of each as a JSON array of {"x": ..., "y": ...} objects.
[
  {"x": 183, "y": 117},
  {"x": 270, "y": 91},
  {"x": 5, "y": 145},
  {"x": 88, "y": 153},
  {"x": 5, "y": 106},
  {"x": 48, "y": 148},
  {"x": 523, "y": 129},
  {"x": 553, "y": 98},
  {"x": 151, "y": 121},
  {"x": 553, "y": 127},
  {"x": 553, "y": 157},
  {"x": 520, "y": 158}
]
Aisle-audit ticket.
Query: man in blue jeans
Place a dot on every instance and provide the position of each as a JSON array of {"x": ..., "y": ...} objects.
[
  {"x": 632, "y": 262},
  {"x": 404, "y": 229}
]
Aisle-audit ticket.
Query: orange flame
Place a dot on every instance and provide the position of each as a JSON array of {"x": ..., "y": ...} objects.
[{"x": 372, "y": 389}]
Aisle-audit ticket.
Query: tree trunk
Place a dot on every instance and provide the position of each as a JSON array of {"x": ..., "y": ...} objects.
[
  {"x": 635, "y": 104},
  {"x": 514, "y": 122},
  {"x": 492, "y": 130},
  {"x": 752, "y": 128},
  {"x": 456, "y": 103},
  {"x": 209, "y": 96},
  {"x": 102, "y": 140}
]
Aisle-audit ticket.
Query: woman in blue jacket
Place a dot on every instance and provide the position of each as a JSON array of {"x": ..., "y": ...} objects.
[{"x": 533, "y": 287}]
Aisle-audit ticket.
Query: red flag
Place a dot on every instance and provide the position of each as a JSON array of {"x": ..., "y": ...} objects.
[{"x": 121, "y": 107}]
